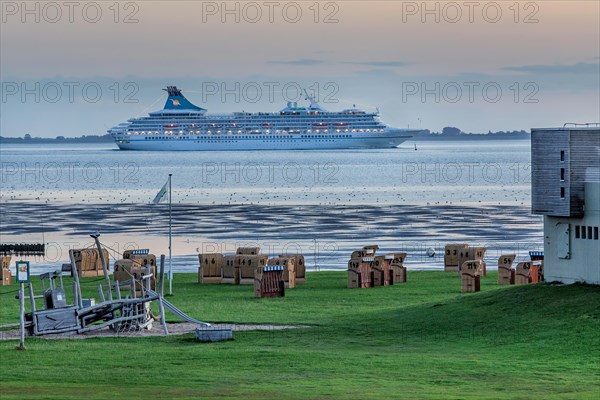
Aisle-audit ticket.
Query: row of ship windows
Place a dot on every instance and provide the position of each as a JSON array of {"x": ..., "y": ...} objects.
[
  {"x": 264, "y": 140},
  {"x": 250, "y": 137},
  {"x": 586, "y": 232},
  {"x": 239, "y": 132}
]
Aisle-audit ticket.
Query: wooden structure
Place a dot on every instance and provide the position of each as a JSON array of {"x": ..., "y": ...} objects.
[
  {"x": 236, "y": 269},
  {"x": 5, "y": 273},
  {"x": 478, "y": 253},
  {"x": 300, "y": 267},
  {"x": 230, "y": 273},
  {"x": 456, "y": 254},
  {"x": 389, "y": 269},
  {"x": 88, "y": 262},
  {"x": 128, "y": 269},
  {"x": 247, "y": 266},
  {"x": 289, "y": 269},
  {"x": 397, "y": 268},
  {"x": 469, "y": 276},
  {"x": 142, "y": 257},
  {"x": 537, "y": 266},
  {"x": 354, "y": 273},
  {"x": 210, "y": 269},
  {"x": 359, "y": 272},
  {"x": 366, "y": 251},
  {"x": 250, "y": 251},
  {"x": 380, "y": 271},
  {"x": 523, "y": 273},
  {"x": 268, "y": 281},
  {"x": 506, "y": 274}
]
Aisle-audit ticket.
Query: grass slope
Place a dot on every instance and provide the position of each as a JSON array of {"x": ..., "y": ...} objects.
[{"x": 423, "y": 339}]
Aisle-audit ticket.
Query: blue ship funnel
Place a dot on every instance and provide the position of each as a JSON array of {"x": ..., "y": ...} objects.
[{"x": 176, "y": 101}]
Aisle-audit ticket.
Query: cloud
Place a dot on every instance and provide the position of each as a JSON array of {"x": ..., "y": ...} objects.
[
  {"x": 313, "y": 61},
  {"x": 579, "y": 68},
  {"x": 379, "y": 63},
  {"x": 303, "y": 61}
]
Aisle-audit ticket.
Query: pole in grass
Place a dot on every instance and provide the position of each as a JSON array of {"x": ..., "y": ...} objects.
[
  {"x": 22, "y": 279},
  {"x": 170, "y": 231},
  {"x": 160, "y": 196}
]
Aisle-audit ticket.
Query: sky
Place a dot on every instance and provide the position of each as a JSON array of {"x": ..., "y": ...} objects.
[{"x": 78, "y": 68}]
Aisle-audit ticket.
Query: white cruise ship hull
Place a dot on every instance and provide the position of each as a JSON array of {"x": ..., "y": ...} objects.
[
  {"x": 389, "y": 138},
  {"x": 183, "y": 126}
]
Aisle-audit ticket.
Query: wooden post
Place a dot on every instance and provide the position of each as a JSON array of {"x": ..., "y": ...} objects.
[
  {"x": 104, "y": 265},
  {"x": 75, "y": 273}
]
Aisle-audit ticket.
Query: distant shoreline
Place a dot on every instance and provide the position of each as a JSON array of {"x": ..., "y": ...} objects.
[
  {"x": 421, "y": 137},
  {"x": 81, "y": 139}
]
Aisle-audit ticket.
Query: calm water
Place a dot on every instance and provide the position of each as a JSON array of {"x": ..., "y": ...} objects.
[
  {"x": 489, "y": 172},
  {"x": 328, "y": 202}
]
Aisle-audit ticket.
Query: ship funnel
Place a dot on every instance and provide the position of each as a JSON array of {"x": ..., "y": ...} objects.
[{"x": 176, "y": 101}]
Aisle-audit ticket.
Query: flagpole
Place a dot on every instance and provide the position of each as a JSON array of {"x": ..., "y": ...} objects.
[{"x": 170, "y": 264}]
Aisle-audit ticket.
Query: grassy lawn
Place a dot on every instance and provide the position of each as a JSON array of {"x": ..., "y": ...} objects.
[{"x": 423, "y": 339}]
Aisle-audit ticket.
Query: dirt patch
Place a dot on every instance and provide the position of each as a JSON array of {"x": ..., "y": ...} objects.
[{"x": 180, "y": 328}]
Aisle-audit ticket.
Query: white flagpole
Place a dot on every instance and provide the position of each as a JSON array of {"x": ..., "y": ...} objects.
[{"x": 170, "y": 264}]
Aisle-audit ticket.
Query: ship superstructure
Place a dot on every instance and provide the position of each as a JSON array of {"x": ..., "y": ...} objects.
[{"x": 181, "y": 125}]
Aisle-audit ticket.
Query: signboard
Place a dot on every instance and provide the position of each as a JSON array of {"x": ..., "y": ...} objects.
[{"x": 22, "y": 271}]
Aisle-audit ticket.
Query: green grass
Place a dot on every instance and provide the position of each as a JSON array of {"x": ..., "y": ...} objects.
[{"x": 423, "y": 339}]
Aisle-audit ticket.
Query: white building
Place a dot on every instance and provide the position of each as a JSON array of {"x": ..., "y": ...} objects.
[{"x": 566, "y": 190}]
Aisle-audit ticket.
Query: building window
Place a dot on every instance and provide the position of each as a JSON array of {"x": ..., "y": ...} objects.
[
  {"x": 562, "y": 192},
  {"x": 562, "y": 155},
  {"x": 595, "y": 233},
  {"x": 589, "y": 229},
  {"x": 583, "y": 232},
  {"x": 562, "y": 174},
  {"x": 576, "y": 231}
]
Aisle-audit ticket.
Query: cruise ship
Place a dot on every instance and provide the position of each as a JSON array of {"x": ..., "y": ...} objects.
[{"x": 181, "y": 125}]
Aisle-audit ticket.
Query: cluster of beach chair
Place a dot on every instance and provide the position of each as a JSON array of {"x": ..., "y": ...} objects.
[
  {"x": 526, "y": 271},
  {"x": 247, "y": 265},
  {"x": 469, "y": 263},
  {"x": 365, "y": 269}
]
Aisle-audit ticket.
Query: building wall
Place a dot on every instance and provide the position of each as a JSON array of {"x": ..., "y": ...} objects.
[
  {"x": 560, "y": 163},
  {"x": 549, "y": 153},
  {"x": 583, "y": 261}
]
